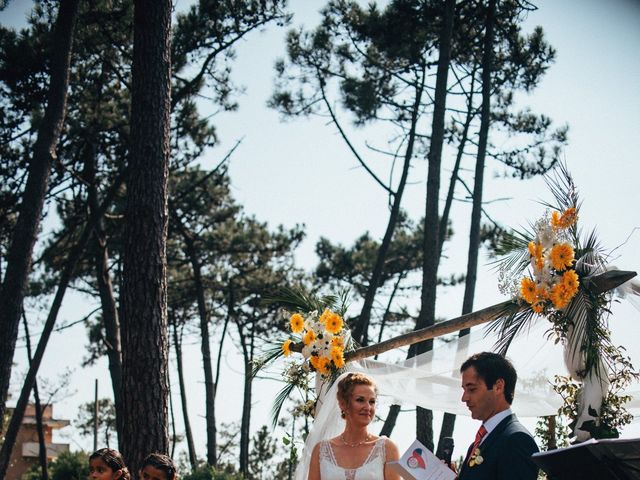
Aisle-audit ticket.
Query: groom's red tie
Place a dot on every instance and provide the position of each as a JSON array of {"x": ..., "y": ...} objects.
[{"x": 479, "y": 436}]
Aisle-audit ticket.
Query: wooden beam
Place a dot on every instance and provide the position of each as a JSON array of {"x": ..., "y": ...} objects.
[
  {"x": 465, "y": 321},
  {"x": 597, "y": 283}
]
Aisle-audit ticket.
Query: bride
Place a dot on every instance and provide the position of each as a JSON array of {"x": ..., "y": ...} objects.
[{"x": 355, "y": 454}]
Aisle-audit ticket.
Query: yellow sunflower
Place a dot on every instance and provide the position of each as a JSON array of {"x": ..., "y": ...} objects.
[
  {"x": 309, "y": 337},
  {"x": 337, "y": 355},
  {"x": 561, "y": 256},
  {"x": 286, "y": 348},
  {"x": 297, "y": 323},
  {"x": 334, "y": 323},
  {"x": 528, "y": 290}
]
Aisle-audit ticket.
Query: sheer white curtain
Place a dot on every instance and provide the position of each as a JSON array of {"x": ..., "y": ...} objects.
[{"x": 432, "y": 380}]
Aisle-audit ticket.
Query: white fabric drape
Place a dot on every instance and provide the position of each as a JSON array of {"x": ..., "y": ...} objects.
[{"x": 432, "y": 380}]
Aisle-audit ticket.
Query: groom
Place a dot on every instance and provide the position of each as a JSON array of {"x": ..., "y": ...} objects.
[{"x": 503, "y": 447}]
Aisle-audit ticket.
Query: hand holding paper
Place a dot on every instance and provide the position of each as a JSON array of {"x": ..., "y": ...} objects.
[{"x": 419, "y": 463}]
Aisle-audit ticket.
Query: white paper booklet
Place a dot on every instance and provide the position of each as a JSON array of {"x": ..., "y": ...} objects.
[{"x": 419, "y": 463}]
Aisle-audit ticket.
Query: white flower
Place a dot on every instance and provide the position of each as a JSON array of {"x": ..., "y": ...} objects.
[
  {"x": 312, "y": 323},
  {"x": 322, "y": 346},
  {"x": 306, "y": 350},
  {"x": 546, "y": 236}
]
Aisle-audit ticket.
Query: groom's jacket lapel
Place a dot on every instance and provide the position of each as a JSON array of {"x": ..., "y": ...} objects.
[
  {"x": 495, "y": 434},
  {"x": 485, "y": 448}
]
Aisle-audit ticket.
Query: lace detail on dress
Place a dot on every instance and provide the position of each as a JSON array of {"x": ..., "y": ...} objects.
[{"x": 371, "y": 469}]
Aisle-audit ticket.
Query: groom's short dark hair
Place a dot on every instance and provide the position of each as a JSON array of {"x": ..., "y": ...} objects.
[{"x": 492, "y": 366}]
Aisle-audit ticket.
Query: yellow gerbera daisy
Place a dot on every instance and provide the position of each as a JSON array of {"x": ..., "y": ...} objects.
[
  {"x": 309, "y": 337},
  {"x": 296, "y": 322},
  {"x": 334, "y": 323},
  {"x": 561, "y": 256},
  {"x": 286, "y": 347},
  {"x": 323, "y": 364},
  {"x": 528, "y": 290},
  {"x": 542, "y": 293},
  {"x": 568, "y": 218},
  {"x": 537, "y": 307},
  {"x": 314, "y": 361},
  {"x": 325, "y": 316},
  {"x": 536, "y": 251},
  {"x": 571, "y": 281},
  {"x": 337, "y": 342},
  {"x": 560, "y": 296},
  {"x": 337, "y": 355}
]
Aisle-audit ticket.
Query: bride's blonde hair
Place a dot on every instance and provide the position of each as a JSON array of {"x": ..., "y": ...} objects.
[{"x": 349, "y": 382}]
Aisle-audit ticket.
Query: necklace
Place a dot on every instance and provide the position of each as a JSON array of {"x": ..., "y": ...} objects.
[{"x": 357, "y": 444}]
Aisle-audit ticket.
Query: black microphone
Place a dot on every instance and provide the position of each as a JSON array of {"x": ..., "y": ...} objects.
[{"x": 445, "y": 449}]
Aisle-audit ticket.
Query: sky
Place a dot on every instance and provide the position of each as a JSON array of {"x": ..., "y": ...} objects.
[{"x": 300, "y": 172}]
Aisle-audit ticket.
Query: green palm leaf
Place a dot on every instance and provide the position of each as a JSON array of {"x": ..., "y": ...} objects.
[
  {"x": 299, "y": 299},
  {"x": 278, "y": 403},
  {"x": 510, "y": 325}
]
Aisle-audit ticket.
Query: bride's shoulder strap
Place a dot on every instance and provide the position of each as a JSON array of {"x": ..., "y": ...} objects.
[{"x": 326, "y": 453}]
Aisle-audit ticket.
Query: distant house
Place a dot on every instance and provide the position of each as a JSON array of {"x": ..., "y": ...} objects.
[{"x": 25, "y": 452}]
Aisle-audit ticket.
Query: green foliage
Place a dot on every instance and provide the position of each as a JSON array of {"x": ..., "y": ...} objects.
[
  {"x": 613, "y": 415},
  {"x": 207, "y": 472},
  {"x": 68, "y": 466},
  {"x": 262, "y": 455},
  {"x": 545, "y": 427},
  {"x": 106, "y": 420}
]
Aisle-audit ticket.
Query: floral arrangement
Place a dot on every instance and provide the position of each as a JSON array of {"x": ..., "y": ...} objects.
[
  {"x": 323, "y": 339},
  {"x": 553, "y": 271},
  {"x": 319, "y": 333},
  {"x": 553, "y": 282}
]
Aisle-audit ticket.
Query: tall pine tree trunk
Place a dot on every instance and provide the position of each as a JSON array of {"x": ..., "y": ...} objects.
[
  {"x": 205, "y": 349},
  {"x": 448, "y": 421},
  {"x": 245, "y": 422},
  {"x": 360, "y": 333},
  {"x": 42, "y": 451},
  {"x": 108, "y": 303},
  {"x": 177, "y": 342},
  {"x": 424, "y": 417},
  {"x": 30, "y": 213},
  {"x": 453, "y": 180},
  {"x": 145, "y": 385}
]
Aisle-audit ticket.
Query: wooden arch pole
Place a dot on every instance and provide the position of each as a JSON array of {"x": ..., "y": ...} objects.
[
  {"x": 465, "y": 321},
  {"x": 598, "y": 284}
]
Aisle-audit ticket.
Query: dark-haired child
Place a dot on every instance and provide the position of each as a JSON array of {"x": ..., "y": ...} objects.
[
  {"x": 107, "y": 464},
  {"x": 158, "y": 467}
]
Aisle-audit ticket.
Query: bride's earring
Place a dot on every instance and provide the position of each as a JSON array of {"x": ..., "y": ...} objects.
[{"x": 342, "y": 414}]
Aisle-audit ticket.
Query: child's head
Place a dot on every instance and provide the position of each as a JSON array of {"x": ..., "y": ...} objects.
[
  {"x": 158, "y": 467},
  {"x": 107, "y": 464}
]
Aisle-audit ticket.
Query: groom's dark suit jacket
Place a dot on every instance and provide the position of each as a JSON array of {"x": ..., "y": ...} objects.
[{"x": 506, "y": 453}]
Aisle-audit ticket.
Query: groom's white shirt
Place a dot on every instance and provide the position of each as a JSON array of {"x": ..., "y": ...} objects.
[{"x": 493, "y": 422}]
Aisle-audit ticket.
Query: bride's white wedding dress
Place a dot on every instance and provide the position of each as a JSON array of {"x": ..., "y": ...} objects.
[{"x": 371, "y": 469}]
